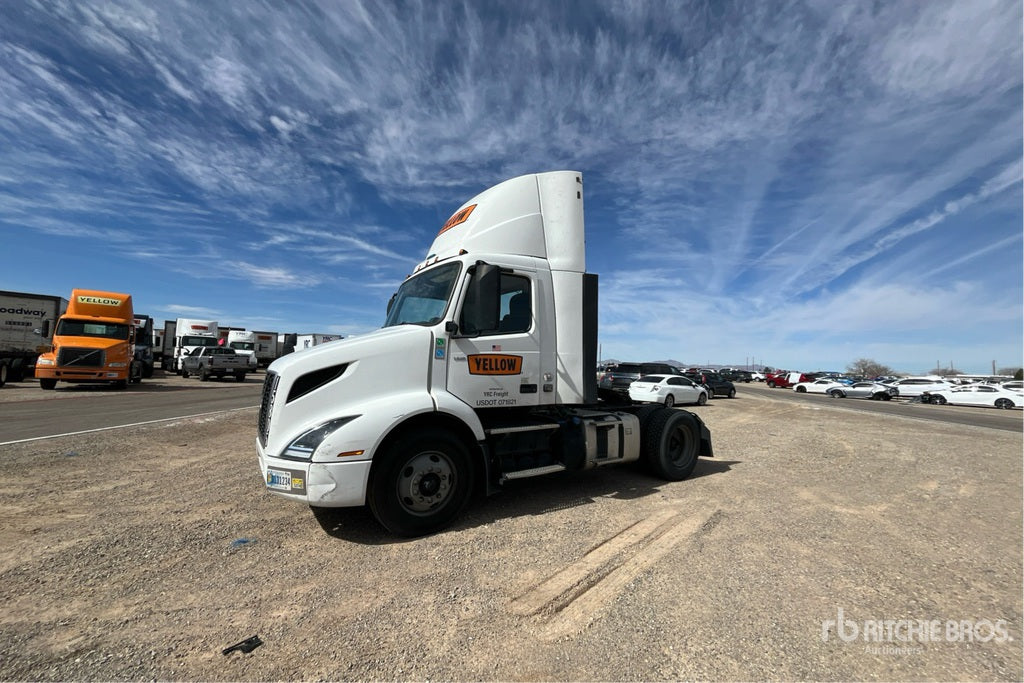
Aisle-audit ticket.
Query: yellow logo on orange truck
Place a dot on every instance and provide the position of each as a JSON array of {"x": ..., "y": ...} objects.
[
  {"x": 495, "y": 364},
  {"x": 100, "y": 300}
]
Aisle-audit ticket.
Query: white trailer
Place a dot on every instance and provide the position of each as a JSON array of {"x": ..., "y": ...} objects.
[
  {"x": 308, "y": 341},
  {"x": 482, "y": 373},
  {"x": 23, "y": 334}
]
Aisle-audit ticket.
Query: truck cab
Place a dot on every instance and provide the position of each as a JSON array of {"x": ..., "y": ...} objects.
[
  {"x": 482, "y": 373},
  {"x": 94, "y": 341}
]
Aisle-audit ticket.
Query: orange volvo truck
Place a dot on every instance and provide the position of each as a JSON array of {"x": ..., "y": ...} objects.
[{"x": 94, "y": 341}]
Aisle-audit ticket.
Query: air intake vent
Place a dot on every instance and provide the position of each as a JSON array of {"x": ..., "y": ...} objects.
[{"x": 312, "y": 381}]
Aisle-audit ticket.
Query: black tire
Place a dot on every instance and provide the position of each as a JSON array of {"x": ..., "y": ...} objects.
[
  {"x": 702, "y": 399},
  {"x": 204, "y": 375},
  {"x": 938, "y": 400},
  {"x": 3, "y": 373},
  {"x": 184, "y": 373},
  {"x": 732, "y": 393},
  {"x": 420, "y": 483},
  {"x": 885, "y": 396},
  {"x": 120, "y": 384},
  {"x": 147, "y": 371},
  {"x": 836, "y": 393},
  {"x": 48, "y": 383},
  {"x": 771, "y": 384},
  {"x": 239, "y": 376},
  {"x": 670, "y": 444},
  {"x": 1004, "y": 403},
  {"x": 17, "y": 370},
  {"x": 801, "y": 390},
  {"x": 670, "y": 401}
]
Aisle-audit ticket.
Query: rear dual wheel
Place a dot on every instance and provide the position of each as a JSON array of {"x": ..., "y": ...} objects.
[{"x": 670, "y": 444}]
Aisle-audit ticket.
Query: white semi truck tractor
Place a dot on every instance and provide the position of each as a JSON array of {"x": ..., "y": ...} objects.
[{"x": 483, "y": 373}]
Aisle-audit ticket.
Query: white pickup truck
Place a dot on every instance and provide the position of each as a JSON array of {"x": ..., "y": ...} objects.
[{"x": 214, "y": 361}]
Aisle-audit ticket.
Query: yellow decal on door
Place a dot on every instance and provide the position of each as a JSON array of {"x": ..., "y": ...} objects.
[{"x": 495, "y": 364}]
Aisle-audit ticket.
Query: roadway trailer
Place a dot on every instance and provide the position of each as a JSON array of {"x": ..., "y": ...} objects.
[
  {"x": 22, "y": 338},
  {"x": 483, "y": 373},
  {"x": 94, "y": 342}
]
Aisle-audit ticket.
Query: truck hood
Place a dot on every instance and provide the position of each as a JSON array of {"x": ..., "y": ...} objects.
[{"x": 338, "y": 378}]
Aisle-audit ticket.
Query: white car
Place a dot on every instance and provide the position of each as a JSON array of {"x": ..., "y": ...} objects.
[
  {"x": 976, "y": 395},
  {"x": 757, "y": 376},
  {"x": 915, "y": 386},
  {"x": 668, "y": 390},
  {"x": 818, "y": 386}
]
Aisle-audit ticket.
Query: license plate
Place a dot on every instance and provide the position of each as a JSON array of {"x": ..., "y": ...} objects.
[{"x": 286, "y": 480}]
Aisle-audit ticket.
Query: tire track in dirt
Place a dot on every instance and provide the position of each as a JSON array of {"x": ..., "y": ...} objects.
[{"x": 574, "y": 597}]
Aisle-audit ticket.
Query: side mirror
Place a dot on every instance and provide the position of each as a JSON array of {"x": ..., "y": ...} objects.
[
  {"x": 391, "y": 303},
  {"x": 482, "y": 307}
]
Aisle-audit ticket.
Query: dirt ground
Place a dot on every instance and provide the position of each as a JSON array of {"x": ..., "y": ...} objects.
[{"x": 820, "y": 543}]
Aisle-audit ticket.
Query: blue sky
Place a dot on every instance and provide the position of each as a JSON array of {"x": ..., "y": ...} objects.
[{"x": 802, "y": 184}]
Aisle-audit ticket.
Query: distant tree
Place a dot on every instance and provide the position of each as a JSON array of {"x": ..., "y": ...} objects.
[
  {"x": 1019, "y": 374},
  {"x": 1011, "y": 371},
  {"x": 945, "y": 372},
  {"x": 866, "y": 367}
]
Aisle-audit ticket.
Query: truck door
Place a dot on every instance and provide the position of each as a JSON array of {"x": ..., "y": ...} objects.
[{"x": 502, "y": 368}]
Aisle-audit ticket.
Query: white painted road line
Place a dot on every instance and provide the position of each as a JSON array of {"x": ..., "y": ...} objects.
[{"x": 134, "y": 424}]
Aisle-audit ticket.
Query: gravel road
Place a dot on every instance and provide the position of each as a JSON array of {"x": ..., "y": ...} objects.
[{"x": 142, "y": 553}]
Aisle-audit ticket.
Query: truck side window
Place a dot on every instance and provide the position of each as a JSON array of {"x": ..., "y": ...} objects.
[
  {"x": 516, "y": 306},
  {"x": 516, "y": 312}
]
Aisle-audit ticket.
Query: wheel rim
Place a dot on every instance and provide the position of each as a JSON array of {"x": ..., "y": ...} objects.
[
  {"x": 426, "y": 482},
  {"x": 1004, "y": 403},
  {"x": 702, "y": 399},
  {"x": 670, "y": 401},
  {"x": 675, "y": 445}
]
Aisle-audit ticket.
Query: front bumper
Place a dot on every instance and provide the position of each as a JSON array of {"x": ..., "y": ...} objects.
[{"x": 319, "y": 484}]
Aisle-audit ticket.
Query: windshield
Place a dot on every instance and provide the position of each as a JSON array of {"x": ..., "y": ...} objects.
[
  {"x": 198, "y": 341},
  {"x": 244, "y": 346},
  {"x": 86, "y": 328},
  {"x": 423, "y": 299}
]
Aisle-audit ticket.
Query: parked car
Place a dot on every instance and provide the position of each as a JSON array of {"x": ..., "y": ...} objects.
[
  {"x": 786, "y": 379},
  {"x": 667, "y": 389},
  {"x": 757, "y": 376},
  {"x": 818, "y": 386},
  {"x": 1013, "y": 385},
  {"x": 976, "y": 395},
  {"x": 619, "y": 378},
  {"x": 915, "y": 386},
  {"x": 715, "y": 384},
  {"x": 872, "y": 390},
  {"x": 737, "y": 375}
]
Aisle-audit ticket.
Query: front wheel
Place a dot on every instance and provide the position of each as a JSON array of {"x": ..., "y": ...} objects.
[
  {"x": 702, "y": 398},
  {"x": 239, "y": 376},
  {"x": 184, "y": 373},
  {"x": 835, "y": 393},
  {"x": 421, "y": 483},
  {"x": 801, "y": 390},
  {"x": 48, "y": 383},
  {"x": 938, "y": 400},
  {"x": 771, "y": 384},
  {"x": 732, "y": 393},
  {"x": 670, "y": 444},
  {"x": 3, "y": 374},
  {"x": 670, "y": 401},
  {"x": 1004, "y": 403}
]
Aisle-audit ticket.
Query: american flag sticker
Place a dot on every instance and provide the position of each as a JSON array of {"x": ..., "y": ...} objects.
[{"x": 495, "y": 347}]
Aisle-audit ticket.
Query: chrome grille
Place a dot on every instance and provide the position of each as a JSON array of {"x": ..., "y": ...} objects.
[
  {"x": 266, "y": 405},
  {"x": 80, "y": 358}
]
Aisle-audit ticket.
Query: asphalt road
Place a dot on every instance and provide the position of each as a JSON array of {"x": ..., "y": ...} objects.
[
  {"x": 27, "y": 412},
  {"x": 993, "y": 418}
]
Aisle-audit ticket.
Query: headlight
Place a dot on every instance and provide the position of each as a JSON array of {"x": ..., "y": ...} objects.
[
  {"x": 309, "y": 441},
  {"x": 46, "y": 362}
]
